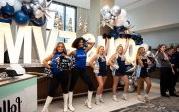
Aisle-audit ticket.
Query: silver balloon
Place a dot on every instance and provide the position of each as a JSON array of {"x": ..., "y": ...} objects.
[
  {"x": 10, "y": 2},
  {"x": 120, "y": 20},
  {"x": 104, "y": 10},
  {"x": 38, "y": 13},
  {"x": 115, "y": 10},
  {"x": 112, "y": 17},
  {"x": 107, "y": 16},
  {"x": 123, "y": 13},
  {"x": 17, "y": 5},
  {"x": 2, "y": 3}
]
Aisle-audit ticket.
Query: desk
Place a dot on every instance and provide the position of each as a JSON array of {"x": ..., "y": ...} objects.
[{"x": 19, "y": 94}]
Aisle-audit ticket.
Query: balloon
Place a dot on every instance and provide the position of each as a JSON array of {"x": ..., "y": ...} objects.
[
  {"x": 123, "y": 13},
  {"x": 27, "y": 9},
  {"x": 107, "y": 16},
  {"x": 120, "y": 20},
  {"x": 10, "y": 2},
  {"x": 38, "y": 13},
  {"x": 2, "y": 3},
  {"x": 105, "y": 10},
  {"x": 17, "y": 5},
  {"x": 115, "y": 10},
  {"x": 39, "y": 21},
  {"x": 126, "y": 24},
  {"x": 21, "y": 18},
  {"x": 7, "y": 11}
]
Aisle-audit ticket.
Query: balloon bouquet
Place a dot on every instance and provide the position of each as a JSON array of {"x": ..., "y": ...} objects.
[
  {"x": 24, "y": 11},
  {"x": 120, "y": 28},
  {"x": 116, "y": 19}
]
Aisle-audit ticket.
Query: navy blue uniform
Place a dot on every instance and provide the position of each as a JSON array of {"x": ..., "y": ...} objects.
[
  {"x": 101, "y": 64},
  {"x": 122, "y": 67},
  {"x": 60, "y": 67},
  {"x": 144, "y": 71}
]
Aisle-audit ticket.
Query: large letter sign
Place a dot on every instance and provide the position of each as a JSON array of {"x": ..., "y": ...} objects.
[
  {"x": 45, "y": 45},
  {"x": 23, "y": 35}
]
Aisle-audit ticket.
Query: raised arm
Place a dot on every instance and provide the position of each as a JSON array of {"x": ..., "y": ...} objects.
[
  {"x": 89, "y": 46},
  {"x": 46, "y": 60},
  {"x": 126, "y": 46},
  {"x": 106, "y": 46}
]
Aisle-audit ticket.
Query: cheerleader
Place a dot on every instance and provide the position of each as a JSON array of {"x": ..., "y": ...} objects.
[
  {"x": 118, "y": 67},
  {"x": 142, "y": 63},
  {"x": 80, "y": 70},
  {"x": 98, "y": 63},
  {"x": 60, "y": 68}
]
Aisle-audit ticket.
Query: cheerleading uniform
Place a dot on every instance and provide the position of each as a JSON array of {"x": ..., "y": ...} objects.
[
  {"x": 144, "y": 70},
  {"x": 122, "y": 67},
  {"x": 100, "y": 66},
  {"x": 60, "y": 67},
  {"x": 79, "y": 70}
]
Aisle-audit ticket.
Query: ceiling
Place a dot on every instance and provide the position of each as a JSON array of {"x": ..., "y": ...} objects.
[{"x": 130, "y": 4}]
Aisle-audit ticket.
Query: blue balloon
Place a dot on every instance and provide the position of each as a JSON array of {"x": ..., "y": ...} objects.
[
  {"x": 21, "y": 18},
  {"x": 39, "y": 22},
  {"x": 7, "y": 11}
]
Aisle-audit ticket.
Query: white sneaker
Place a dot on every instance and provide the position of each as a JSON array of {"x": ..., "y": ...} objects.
[
  {"x": 124, "y": 97},
  {"x": 88, "y": 104},
  {"x": 70, "y": 106},
  {"x": 97, "y": 102},
  {"x": 140, "y": 98},
  {"x": 146, "y": 98},
  {"x": 115, "y": 98},
  {"x": 101, "y": 100}
]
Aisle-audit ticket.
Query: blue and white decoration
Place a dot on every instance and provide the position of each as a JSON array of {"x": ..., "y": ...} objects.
[
  {"x": 24, "y": 11},
  {"x": 116, "y": 19}
]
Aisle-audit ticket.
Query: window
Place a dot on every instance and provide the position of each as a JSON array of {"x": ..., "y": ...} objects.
[{"x": 64, "y": 18}]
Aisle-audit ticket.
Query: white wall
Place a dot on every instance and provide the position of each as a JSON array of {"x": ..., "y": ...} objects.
[
  {"x": 166, "y": 36},
  {"x": 79, "y": 3},
  {"x": 158, "y": 13}
]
